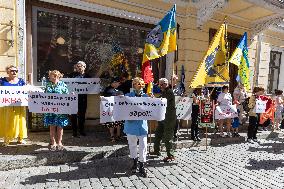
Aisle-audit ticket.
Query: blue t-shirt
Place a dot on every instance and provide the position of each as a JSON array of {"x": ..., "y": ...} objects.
[{"x": 5, "y": 82}]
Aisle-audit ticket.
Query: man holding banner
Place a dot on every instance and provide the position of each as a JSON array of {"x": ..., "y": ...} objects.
[
  {"x": 165, "y": 129},
  {"x": 79, "y": 118}
]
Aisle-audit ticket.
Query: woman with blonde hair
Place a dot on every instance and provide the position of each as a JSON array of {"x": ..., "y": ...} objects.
[
  {"x": 13, "y": 121},
  {"x": 56, "y": 122},
  {"x": 137, "y": 130}
]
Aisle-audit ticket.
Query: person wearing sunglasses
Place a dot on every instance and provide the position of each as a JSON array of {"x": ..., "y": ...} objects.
[{"x": 13, "y": 120}]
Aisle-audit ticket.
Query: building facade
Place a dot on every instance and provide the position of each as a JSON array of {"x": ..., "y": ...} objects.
[{"x": 54, "y": 34}]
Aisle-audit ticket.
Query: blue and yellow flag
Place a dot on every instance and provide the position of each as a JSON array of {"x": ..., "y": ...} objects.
[
  {"x": 240, "y": 58},
  {"x": 162, "y": 39},
  {"x": 213, "y": 69}
]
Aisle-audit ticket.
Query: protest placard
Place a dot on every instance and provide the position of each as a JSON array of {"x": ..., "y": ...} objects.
[
  {"x": 16, "y": 95},
  {"x": 53, "y": 103},
  {"x": 183, "y": 107},
  {"x": 83, "y": 85},
  {"x": 106, "y": 109},
  {"x": 226, "y": 111},
  {"x": 139, "y": 108},
  {"x": 260, "y": 106}
]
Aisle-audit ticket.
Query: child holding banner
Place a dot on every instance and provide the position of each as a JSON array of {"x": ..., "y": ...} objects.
[
  {"x": 112, "y": 90},
  {"x": 56, "y": 122},
  {"x": 137, "y": 130},
  {"x": 13, "y": 119}
]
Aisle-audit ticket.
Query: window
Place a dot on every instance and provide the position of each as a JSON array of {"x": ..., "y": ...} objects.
[
  {"x": 274, "y": 71},
  {"x": 108, "y": 46}
]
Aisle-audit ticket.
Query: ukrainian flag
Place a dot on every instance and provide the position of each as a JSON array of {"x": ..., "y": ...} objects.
[
  {"x": 159, "y": 42},
  {"x": 214, "y": 69},
  {"x": 240, "y": 59},
  {"x": 162, "y": 39}
]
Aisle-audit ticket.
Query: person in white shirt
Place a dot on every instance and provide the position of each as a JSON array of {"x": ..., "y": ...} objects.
[{"x": 224, "y": 99}]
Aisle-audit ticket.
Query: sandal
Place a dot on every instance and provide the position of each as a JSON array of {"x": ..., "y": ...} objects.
[
  {"x": 52, "y": 147},
  {"x": 61, "y": 148},
  {"x": 169, "y": 158}
]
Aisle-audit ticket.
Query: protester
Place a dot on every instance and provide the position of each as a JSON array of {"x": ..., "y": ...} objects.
[
  {"x": 239, "y": 95},
  {"x": 56, "y": 122},
  {"x": 253, "y": 116},
  {"x": 196, "y": 96},
  {"x": 79, "y": 118},
  {"x": 225, "y": 99},
  {"x": 279, "y": 108},
  {"x": 165, "y": 129},
  {"x": 265, "y": 122},
  {"x": 137, "y": 130},
  {"x": 13, "y": 119},
  {"x": 112, "y": 90},
  {"x": 125, "y": 83},
  {"x": 177, "y": 92}
]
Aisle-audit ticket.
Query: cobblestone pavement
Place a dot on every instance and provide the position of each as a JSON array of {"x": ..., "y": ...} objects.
[{"x": 245, "y": 165}]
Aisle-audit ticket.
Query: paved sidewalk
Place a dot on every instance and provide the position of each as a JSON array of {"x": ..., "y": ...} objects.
[
  {"x": 245, "y": 165},
  {"x": 94, "y": 146}
]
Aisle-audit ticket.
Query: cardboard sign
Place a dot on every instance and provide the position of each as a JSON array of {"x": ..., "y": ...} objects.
[
  {"x": 226, "y": 111},
  {"x": 16, "y": 95},
  {"x": 83, "y": 85},
  {"x": 53, "y": 103},
  {"x": 183, "y": 107},
  {"x": 260, "y": 106},
  {"x": 206, "y": 111},
  {"x": 106, "y": 109},
  {"x": 139, "y": 108}
]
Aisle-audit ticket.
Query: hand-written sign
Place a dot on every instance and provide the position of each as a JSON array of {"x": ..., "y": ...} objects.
[
  {"x": 16, "y": 95},
  {"x": 206, "y": 111},
  {"x": 226, "y": 111},
  {"x": 183, "y": 107},
  {"x": 139, "y": 108},
  {"x": 53, "y": 103},
  {"x": 83, "y": 85},
  {"x": 260, "y": 106},
  {"x": 106, "y": 109}
]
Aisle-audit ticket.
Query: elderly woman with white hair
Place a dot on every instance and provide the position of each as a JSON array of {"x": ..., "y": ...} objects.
[
  {"x": 79, "y": 118},
  {"x": 137, "y": 130}
]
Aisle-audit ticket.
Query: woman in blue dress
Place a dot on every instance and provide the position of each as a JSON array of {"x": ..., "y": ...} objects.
[{"x": 56, "y": 122}]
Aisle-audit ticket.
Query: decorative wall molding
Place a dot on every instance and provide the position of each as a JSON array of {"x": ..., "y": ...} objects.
[
  {"x": 268, "y": 4},
  {"x": 206, "y": 9},
  {"x": 265, "y": 23}
]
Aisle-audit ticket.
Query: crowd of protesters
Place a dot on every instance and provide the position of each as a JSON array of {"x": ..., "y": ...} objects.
[{"x": 13, "y": 119}]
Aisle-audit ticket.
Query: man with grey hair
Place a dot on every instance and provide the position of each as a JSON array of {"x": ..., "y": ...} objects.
[
  {"x": 79, "y": 118},
  {"x": 165, "y": 129}
]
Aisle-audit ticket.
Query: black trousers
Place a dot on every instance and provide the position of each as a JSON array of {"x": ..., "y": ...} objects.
[
  {"x": 78, "y": 120},
  {"x": 253, "y": 126},
  {"x": 194, "y": 121}
]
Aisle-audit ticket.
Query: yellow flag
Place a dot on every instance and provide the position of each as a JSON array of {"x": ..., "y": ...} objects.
[{"x": 213, "y": 69}]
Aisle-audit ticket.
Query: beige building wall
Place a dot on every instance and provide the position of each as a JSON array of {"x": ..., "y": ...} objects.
[{"x": 7, "y": 51}]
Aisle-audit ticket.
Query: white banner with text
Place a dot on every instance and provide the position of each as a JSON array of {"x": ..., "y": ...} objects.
[
  {"x": 53, "y": 103},
  {"x": 183, "y": 107},
  {"x": 16, "y": 95},
  {"x": 83, "y": 85}
]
